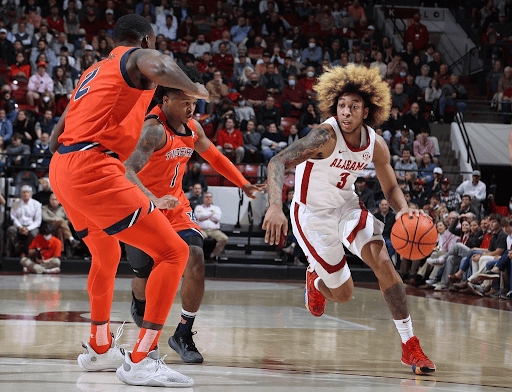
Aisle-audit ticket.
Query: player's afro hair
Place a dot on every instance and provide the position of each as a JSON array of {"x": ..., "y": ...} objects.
[
  {"x": 131, "y": 27},
  {"x": 336, "y": 81}
]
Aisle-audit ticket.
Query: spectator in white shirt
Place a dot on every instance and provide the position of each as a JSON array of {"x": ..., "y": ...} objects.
[
  {"x": 39, "y": 83},
  {"x": 208, "y": 218},
  {"x": 199, "y": 47},
  {"x": 475, "y": 188},
  {"x": 170, "y": 28},
  {"x": 26, "y": 215}
]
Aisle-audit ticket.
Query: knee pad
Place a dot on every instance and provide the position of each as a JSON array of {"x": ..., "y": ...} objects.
[{"x": 140, "y": 262}]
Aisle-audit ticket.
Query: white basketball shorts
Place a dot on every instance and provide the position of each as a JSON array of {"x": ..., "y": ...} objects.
[{"x": 321, "y": 235}]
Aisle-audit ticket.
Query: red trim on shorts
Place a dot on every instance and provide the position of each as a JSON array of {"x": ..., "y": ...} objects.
[
  {"x": 329, "y": 268},
  {"x": 361, "y": 224},
  {"x": 305, "y": 182}
]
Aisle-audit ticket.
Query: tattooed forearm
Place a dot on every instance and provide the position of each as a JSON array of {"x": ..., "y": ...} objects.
[
  {"x": 397, "y": 302},
  {"x": 300, "y": 151},
  {"x": 152, "y": 138}
]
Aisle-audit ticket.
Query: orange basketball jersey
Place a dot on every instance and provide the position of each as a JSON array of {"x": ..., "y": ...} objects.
[
  {"x": 163, "y": 174},
  {"x": 114, "y": 114}
]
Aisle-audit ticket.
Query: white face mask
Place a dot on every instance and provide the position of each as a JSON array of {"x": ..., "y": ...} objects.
[
  {"x": 47, "y": 237},
  {"x": 291, "y": 82},
  {"x": 46, "y": 99},
  {"x": 310, "y": 74},
  {"x": 312, "y": 45},
  {"x": 510, "y": 206}
]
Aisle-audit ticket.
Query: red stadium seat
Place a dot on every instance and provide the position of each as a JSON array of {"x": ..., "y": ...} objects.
[
  {"x": 251, "y": 172},
  {"x": 286, "y": 123},
  {"x": 212, "y": 177}
]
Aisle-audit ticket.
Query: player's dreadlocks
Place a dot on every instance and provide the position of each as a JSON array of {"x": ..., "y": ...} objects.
[{"x": 336, "y": 81}]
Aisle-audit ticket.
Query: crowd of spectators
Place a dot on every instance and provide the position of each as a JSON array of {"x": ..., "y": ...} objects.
[{"x": 259, "y": 60}]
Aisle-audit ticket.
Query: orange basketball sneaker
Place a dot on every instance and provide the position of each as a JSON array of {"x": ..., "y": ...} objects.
[
  {"x": 413, "y": 355},
  {"x": 315, "y": 301}
]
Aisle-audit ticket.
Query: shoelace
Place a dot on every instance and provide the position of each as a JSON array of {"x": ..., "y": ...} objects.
[
  {"x": 187, "y": 340},
  {"x": 418, "y": 353},
  {"x": 119, "y": 332},
  {"x": 160, "y": 362}
]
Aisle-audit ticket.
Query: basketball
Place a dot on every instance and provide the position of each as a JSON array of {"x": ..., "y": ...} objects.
[{"x": 414, "y": 237}]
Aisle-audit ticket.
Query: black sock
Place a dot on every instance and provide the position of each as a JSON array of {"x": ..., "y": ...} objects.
[{"x": 186, "y": 323}]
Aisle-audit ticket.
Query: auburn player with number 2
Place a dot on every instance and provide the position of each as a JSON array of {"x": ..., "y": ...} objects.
[
  {"x": 169, "y": 137},
  {"x": 99, "y": 130},
  {"x": 326, "y": 212}
]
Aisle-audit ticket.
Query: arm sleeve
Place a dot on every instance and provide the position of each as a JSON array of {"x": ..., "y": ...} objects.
[{"x": 224, "y": 166}]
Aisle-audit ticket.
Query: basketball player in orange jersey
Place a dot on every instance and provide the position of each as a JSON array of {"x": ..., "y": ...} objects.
[
  {"x": 99, "y": 130},
  {"x": 327, "y": 214},
  {"x": 169, "y": 137}
]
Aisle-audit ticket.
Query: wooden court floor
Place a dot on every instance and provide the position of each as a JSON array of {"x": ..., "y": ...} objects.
[{"x": 258, "y": 336}]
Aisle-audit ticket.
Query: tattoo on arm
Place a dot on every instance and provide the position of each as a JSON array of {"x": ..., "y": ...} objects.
[
  {"x": 151, "y": 139},
  {"x": 300, "y": 151},
  {"x": 397, "y": 302}
]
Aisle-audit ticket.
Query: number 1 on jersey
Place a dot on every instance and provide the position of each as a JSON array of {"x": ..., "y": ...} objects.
[{"x": 343, "y": 181}]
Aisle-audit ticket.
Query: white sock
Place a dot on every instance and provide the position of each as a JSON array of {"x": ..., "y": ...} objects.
[
  {"x": 404, "y": 328},
  {"x": 316, "y": 283},
  {"x": 187, "y": 313}
]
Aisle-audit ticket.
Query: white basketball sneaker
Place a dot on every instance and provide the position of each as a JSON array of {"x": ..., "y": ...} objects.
[
  {"x": 152, "y": 372},
  {"x": 92, "y": 362}
]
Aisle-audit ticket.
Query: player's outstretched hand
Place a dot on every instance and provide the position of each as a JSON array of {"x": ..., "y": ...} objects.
[
  {"x": 166, "y": 202},
  {"x": 251, "y": 189},
  {"x": 275, "y": 224},
  {"x": 411, "y": 212}
]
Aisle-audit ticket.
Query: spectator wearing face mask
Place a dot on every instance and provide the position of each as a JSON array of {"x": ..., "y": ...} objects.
[
  {"x": 312, "y": 55},
  {"x": 294, "y": 96}
]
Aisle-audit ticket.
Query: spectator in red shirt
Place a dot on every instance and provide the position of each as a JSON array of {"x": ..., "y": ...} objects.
[
  {"x": 444, "y": 75},
  {"x": 230, "y": 141},
  {"x": 43, "y": 253},
  {"x": 220, "y": 27},
  {"x": 55, "y": 21},
  {"x": 294, "y": 96},
  {"x": 253, "y": 93},
  {"x": 91, "y": 25},
  {"x": 256, "y": 52},
  {"x": 311, "y": 28},
  {"x": 224, "y": 61},
  {"x": 418, "y": 34},
  {"x": 309, "y": 81},
  {"x": 356, "y": 11}
]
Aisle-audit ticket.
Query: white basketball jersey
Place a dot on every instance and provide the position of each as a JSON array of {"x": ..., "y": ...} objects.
[{"x": 327, "y": 183}]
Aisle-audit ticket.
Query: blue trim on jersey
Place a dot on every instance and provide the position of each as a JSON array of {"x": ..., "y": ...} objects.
[
  {"x": 82, "y": 233},
  {"x": 189, "y": 233},
  {"x": 122, "y": 65},
  {"x": 124, "y": 223}
]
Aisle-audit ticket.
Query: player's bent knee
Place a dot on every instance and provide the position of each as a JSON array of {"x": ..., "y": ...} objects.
[{"x": 343, "y": 294}]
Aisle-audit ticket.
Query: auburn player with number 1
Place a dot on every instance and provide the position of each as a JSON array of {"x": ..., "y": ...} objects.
[
  {"x": 98, "y": 131},
  {"x": 326, "y": 212},
  {"x": 169, "y": 137}
]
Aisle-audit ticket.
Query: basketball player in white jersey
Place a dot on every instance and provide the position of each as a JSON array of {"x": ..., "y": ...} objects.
[{"x": 327, "y": 214}]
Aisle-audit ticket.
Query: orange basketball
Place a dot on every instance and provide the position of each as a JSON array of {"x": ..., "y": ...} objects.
[{"x": 414, "y": 237}]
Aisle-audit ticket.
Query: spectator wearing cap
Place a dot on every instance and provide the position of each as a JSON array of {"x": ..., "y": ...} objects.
[
  {"x": 88, "y": 58},
  {"x": 92, "y": 25},
  {"x": 288, "y": 69},
  {"x": 224, "y": 61},
  {"x": 6, "y": 48},
  {"x": 419, "y": 195},
  {"x": 312, "y": 55},
  {"x": 39, "y": 83},
  {"x": 294, "y": 96},
  {"x": 110, "y": 22},
  {"x": 435, "y": 185},
  {"x": 423, "y": 145},
  {"x": 272, "y": 81},
  {"x": 448, "y": 197},
  {"x": 199, "y": 46},
  {"x": 474, "y": 188},
  {"x": 418, "y": 34},
  {"x": 183, "y": 55}
]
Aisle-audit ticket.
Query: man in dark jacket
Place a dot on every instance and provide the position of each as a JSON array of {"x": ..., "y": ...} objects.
[
  {"x": 386, "y": 216},
  {"x": 267, "y": 114}
]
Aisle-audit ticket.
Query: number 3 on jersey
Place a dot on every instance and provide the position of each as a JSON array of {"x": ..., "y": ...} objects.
[
  {"x": 343, "y": 181},
  {"x": 84, "y": 88}
]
